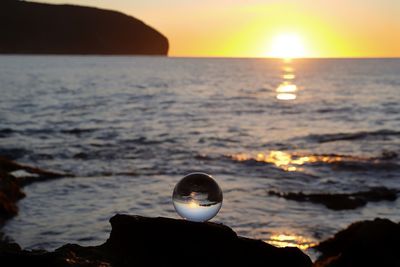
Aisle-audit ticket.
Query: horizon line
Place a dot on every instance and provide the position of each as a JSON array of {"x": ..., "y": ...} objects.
[
  {"x": 202, "y": 57},
  {"x": 281, "y": 58}
]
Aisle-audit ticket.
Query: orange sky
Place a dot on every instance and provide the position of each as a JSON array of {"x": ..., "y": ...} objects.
[{"x": 250, "y": 28}]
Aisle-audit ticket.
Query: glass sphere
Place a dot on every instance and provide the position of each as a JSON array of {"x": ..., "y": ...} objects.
[{"x": 197, "y": 197}]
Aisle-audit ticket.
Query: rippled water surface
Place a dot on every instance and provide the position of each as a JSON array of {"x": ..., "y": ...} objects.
[{"x": 129, "y": 128}]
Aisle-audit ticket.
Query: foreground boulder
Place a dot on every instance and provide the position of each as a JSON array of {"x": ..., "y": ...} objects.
[
  {"x": 141, "y": 241},
  {"x": 363, "y": 244},
  {"x": 35, "y": 28}
]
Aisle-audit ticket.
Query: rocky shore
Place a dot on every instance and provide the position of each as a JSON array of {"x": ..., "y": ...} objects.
[
  {"x": 138, "y": 241},
  {"x": 12, "y": 177},
  {"x": 143, "y": 241}
]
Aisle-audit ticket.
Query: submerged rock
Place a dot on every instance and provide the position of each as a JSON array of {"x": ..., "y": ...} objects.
[
  {"x": 343, "y": 201},
  {"x": 142, "y": 241},
  {"x": 362, "y": 244},
  {"x": 27, "y": 174}
]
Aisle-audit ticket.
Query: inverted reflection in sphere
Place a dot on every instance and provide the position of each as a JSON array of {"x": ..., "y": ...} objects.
[{"x": 197, "y": 197}]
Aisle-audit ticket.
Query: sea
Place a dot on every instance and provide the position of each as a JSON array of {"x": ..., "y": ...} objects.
[{"x": 129, "y": 128}]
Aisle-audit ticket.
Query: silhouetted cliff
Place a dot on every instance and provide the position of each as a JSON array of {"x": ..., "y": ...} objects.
[{"x": 35, "y": 28}]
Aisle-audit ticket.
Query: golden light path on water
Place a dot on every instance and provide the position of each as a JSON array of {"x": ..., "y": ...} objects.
[
  {"x": 287, "y": 90},
  {"x": 286, "y": 96},
  {"x": 286, "y": 87},
  {"x": 286, "y": 161},
  {"x": 290, "y": 240},
  {"x": 288, "y": 76}
]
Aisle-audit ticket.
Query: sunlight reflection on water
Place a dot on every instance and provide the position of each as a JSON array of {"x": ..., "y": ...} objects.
[
  {"x": 292, "y": 161},
  {"x": 287, "y": 89},
  {"x": 291, "y": 240}
]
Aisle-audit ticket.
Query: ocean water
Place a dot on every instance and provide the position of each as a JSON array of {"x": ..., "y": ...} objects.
[{"x": 129, "y": 128}]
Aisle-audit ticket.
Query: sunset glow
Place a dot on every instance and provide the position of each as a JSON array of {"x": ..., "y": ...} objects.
[
  {"x": 287, "y": 45},
  {"x": 254, "y": 28}
]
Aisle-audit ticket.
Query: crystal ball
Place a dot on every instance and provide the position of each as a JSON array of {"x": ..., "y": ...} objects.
[{"x": 197, "y": 197}]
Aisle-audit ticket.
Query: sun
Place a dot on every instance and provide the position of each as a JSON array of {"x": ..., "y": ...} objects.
[{"x": 287, "y": 45}]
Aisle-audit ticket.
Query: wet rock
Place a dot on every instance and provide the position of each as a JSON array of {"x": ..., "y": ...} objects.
[
  {"x": 10, "y": 185},
  {"x": 343, "y": 201},
  {"x": 10, "y": 193},
  {"x": 32, "y": 174},
  {"x": 362, "y": 244},
  {"x": 142, "y": 241}
]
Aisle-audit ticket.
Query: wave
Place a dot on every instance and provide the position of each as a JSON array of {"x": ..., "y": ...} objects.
[
  {"x": 142, "y": 140},
  {"x": 78, "y": 131},
  {"x": 14, "y": 153},
  {"x": 6, "y": 132},
  {"x": 380, "y": 134}
]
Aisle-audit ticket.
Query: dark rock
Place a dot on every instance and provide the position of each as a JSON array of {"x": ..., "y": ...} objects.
[
  {"x": 66, "y": 256},
  {"x": 10, "y": 193},
  {"x": 179, "y": 242},
  {"x": 36, "y": 28},
  {"x": 343, "y": 201},
  {"x": 362, "y": 244},
  {"x": 7, "y": 245},
  {"x": 140, "y": 241}
]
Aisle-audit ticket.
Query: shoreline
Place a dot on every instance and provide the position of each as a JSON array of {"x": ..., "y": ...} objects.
[{"x": 377, "y": 236}]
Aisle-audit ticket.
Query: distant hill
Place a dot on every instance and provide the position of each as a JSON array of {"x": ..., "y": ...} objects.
[{"x": 35, "y": 28}]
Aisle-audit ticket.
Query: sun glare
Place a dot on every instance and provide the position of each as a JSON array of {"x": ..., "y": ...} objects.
[{"x": 287, "y": 45}]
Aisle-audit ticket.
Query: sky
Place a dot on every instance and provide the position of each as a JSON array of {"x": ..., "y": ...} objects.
[{"x": 268, "y": 28}]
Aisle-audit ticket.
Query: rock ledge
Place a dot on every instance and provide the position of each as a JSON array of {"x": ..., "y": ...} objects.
[{"x": 143, "y": 241}]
